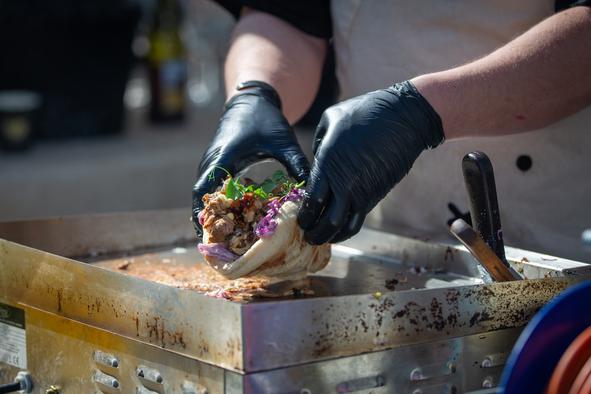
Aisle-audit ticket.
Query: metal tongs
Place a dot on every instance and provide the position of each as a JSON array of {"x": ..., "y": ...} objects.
[{"x": 485, "y": 240}]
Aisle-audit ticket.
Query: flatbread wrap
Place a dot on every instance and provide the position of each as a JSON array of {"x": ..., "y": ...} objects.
[{"x": 251, "y": 230}]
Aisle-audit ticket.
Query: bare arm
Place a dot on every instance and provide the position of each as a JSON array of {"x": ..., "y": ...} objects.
[
  {"x": 267, "y": 49},
  {"x": 537, "y": 79}
]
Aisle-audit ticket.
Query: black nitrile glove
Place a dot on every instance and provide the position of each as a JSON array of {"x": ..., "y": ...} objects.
[
  {"x": 251, "y": 128},
  {"x": 362, "y": 148}
]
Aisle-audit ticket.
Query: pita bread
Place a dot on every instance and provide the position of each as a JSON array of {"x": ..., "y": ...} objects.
[{"x": 285, "y": 255}]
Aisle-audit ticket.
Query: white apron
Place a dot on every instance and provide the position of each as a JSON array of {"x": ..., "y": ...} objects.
[{"x": 545, "y": 208}]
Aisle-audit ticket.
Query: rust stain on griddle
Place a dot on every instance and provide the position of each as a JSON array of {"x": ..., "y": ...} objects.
[
  {"x": 203, "y": 345},
  {"x": 136, "y": 319},
  {"x": 234, "y": 350},
  {"x": 457, "y": 311},
  {"x": 59, "y": 300},
  {"x": 157, "y": 333}
]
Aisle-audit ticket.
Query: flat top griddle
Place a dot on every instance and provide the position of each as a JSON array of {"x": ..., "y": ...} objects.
[
  {"x": 184, "y": 268},
  {"x": 380, "y": 291}
]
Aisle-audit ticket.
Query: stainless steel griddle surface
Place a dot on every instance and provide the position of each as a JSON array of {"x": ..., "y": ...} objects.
[
  {"x": 428, "y": 291},
  {"x": 348, "y": 273}
]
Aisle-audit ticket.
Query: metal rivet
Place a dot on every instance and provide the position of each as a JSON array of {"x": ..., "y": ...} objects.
[
  {"x": 416, "y": 374},
  {"x": 105, "y": 359},
  {"x": 452, "y": 367},
  {"x": 151, "y": 374},
  {"x": 105, "y": 379}
]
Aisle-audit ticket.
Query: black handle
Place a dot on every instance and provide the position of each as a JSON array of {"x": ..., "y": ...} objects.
[
  {"x": 484, "y": 208},
  {"x": 10, "y": 388}
]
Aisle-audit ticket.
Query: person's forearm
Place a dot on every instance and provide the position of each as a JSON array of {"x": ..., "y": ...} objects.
[
  {"x": 537, "y": 79},
  {"x": 268, "y": 49}
]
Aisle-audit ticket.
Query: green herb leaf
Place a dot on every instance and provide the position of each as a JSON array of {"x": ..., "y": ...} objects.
[
  {"x": 279, "y": 177},
  {"x": 236, "y": 190},
  {"x": 231, "y": 191},
  {"x": 240, "y": 188},
  {"x": 268, "y": 186},
  {"x": 260, "y": 193}
]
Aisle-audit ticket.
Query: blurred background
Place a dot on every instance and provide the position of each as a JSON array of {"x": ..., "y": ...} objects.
[{"x": 108, "y": 105}]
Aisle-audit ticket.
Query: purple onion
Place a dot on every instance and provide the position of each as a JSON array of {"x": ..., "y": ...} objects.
[
  {"x": 295, "y": 194},
  {"x": 267, "y": 225},
  {"x": 217, "y": 251}
]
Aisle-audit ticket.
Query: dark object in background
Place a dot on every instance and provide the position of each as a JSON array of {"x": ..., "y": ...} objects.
[
  {"x": 167, "y": 63},
  {"x": 19, "y": 112},
  {"x": 77, "y": 55}
]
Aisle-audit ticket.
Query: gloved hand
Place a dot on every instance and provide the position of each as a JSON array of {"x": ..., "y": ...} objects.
[
  {"x": 251, "y": 128},
  {"x": 362, "y": 148}
]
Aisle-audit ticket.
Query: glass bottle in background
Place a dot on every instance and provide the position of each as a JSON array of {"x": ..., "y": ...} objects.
[
  {"x": 19, "y": 114},
  {"x": 167, "y": 64}
]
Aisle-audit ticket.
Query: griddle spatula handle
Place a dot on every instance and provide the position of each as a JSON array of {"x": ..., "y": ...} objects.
[
  {"x": 484, "y": 208},
  {"x": 498, "y": 270}
]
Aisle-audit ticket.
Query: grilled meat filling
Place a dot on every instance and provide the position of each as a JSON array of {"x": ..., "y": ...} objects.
[{"x": 232, "y": 222}]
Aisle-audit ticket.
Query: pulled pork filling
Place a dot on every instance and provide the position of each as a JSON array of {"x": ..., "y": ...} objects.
[
  {"x": 241, "y": 212},
  {"x": 232, "y": 223}
]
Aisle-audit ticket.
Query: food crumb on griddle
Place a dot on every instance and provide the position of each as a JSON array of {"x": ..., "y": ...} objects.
[
  {"x": 124, "y": 265},
  {"x": 391, "y": 284},
  {"x": 205, "y": 280}
]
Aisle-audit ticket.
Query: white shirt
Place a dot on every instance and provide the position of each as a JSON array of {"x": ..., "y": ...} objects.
[{"x": 378, "y": 43}]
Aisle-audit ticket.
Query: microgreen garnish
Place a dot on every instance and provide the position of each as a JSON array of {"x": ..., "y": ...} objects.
[
  {"x": 235, "y": 190},
  {"x": 211, "y": 176}
]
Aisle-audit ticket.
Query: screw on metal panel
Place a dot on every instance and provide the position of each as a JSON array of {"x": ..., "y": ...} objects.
[
  {"x": 486, "y": 363},
  {"x": 416, "y": 374},
  {"x": 488, "y": 382},
  {"x": 452, "y": 367},
  {"x": 106, "y": 359},
  {"x": 150, "y": 374},
  {"x": 53, "y": 389},
  {"x": 305, "y": 391},
  {"x": 105, "y": 379}
]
